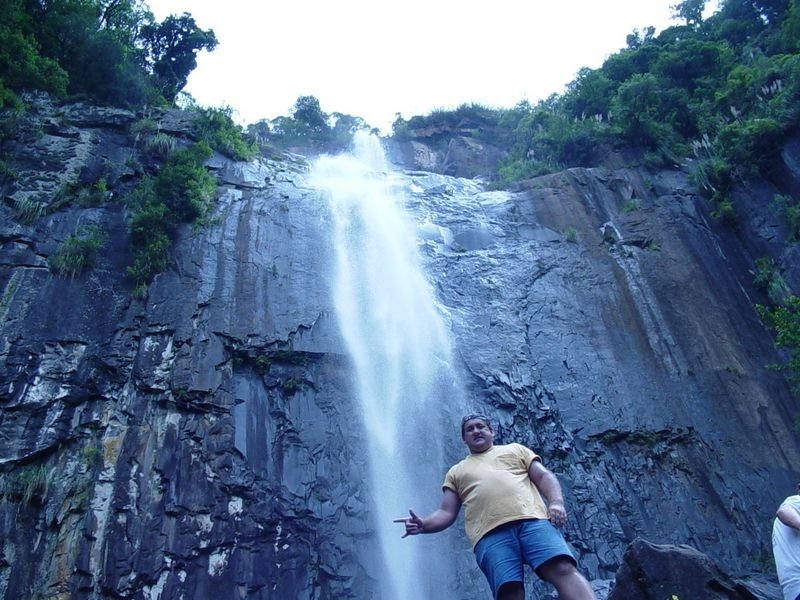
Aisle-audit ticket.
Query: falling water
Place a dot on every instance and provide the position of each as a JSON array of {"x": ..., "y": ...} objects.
[{"x": 401, "y": 352}]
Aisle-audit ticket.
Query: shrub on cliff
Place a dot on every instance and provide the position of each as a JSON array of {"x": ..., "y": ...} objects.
[
  {"x": 785, "y": 322},
  {"x": 181, "y": 193},
  {"x": 76, "y": 254},
  {"x": 216, "y": 127}
]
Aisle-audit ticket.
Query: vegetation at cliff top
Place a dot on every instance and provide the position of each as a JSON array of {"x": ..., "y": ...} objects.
[
  {"x": 308, "y": 127},
  {"x": 724, "y": 91},
  {"x": 107, "y": 51}
]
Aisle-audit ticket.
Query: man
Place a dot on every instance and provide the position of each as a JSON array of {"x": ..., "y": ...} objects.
[
  {"x": 507, "y": 521},
  {"x": 786, "y": 546}
]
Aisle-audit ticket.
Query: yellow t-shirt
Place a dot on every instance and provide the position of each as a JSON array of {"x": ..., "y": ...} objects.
[{"x": 494, "y": 488}]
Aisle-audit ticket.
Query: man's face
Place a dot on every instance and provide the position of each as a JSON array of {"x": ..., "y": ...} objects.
[{"x": 478, "y": 436}]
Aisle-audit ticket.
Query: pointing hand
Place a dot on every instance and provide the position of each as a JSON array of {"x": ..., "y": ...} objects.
[{"x": 414, "y": 524}]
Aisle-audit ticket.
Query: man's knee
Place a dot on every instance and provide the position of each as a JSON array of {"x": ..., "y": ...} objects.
[
  {"x": 513, "y": 590},
  {"x": 557, "y": 568}
]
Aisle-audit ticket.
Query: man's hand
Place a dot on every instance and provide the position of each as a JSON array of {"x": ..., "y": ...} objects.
[
  {"x": 414, "y": 524},
  {"x": 557, "y": 514}
]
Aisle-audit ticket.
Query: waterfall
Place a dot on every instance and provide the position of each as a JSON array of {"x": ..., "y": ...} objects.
[{"x": 400, "y": 349}]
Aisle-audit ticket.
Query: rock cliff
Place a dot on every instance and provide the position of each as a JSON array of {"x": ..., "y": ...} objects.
[{"x": 205, "y": 442}]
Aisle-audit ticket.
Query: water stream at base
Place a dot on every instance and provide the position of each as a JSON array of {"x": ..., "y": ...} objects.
[{"x": 400, "y": 349}]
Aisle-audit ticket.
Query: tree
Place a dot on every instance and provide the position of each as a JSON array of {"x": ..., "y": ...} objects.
[
  {"x": 637, "y": 39},
  {"x": 642, "y": 107},
  {"x": 98, "y": 54},
  {"x": 172, "y": 48},
  {"x": 344, "y": 128},
  {"x": 589, "y": 94},
  {"x": 790, "y": 28},
  {"x": 691, "y": 11},
  {"x": 22, "y": 67},
  {"x": 309, "y": 117},
  {"x": 773, "y": 10}
]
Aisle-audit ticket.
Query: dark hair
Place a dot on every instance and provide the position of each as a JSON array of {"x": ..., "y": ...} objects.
[{"x": 466, "y": 418}]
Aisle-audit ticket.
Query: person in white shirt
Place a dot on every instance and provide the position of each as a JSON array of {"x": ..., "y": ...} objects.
[{"x": 786, "y": 546}]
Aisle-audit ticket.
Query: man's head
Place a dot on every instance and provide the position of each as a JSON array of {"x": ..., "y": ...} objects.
[{"x": 477, "y": 433}]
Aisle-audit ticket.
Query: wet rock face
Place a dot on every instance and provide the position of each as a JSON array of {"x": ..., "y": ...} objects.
[
  {"x": 205, "y": 442},
  {"x": 199, "y": 443}
]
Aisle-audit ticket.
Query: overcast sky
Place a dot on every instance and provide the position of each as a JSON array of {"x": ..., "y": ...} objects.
[{"x": 377, "y": 58}]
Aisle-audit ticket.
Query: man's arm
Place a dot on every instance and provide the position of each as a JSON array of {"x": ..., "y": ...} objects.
[
  {"x": 440, "y": 519},
  {"x": 789, "y": 516},
  {"x": 547, "y": 483}
]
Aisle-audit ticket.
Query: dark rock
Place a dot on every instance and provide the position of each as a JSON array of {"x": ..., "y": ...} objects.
[
  {"x": 449, "y": 151},
  {"x": 658, "y": 572}
]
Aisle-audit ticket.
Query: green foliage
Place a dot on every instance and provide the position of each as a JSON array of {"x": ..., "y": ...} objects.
[
  {"x": 184, "y": 185},
  {"x": 518, "y": 169},
  {"x": 344, "y": 128},
  {"x": 690, "y": 11},
  {"x": 29, "y": 209},
  {"x": 724, "y": 211},
  {"x": 22, "y": 66},
  {"x": 160, "y": 145},
  {"x": 469, "y": 116},
  {"x": 73, "y": 192},
  {"x": 76, "y": 254},
  {"x": 181, "y": 193},
  {"x": 8, "y": 293},
  {"x": 309, "y": 126},
  {"x": 730, "y": 83},
  {"x": 769, "y": 280},
  {"x": 547, "y": 139},
  {"x": 589, "y": 94},
  {"x": 639, "y": 107},
  {"x": 262, "y": 364},
  {"x": 751, "y": 144},
  {"x": 147, "y": 135},
  {"x": 790, "y": 208},
  {"x": 28, "y": 485},
  {"x": 91, "y": 455},
  {"x": 292, "y": 385},
  {"x": 571, "y": 235},
  {"x": 631, "y": 205},
  {"x": 784, "y": 321},
  {"x": 766, "y": 270},
  {"x": 149, "y": 238},
  {"x": 172, "y": 48},
  {"x": 309, "y": 117},
  {"x": 790, "y": 28},
  {"x": 216, "y": 127},
  {"x": 107, "y": 51}
]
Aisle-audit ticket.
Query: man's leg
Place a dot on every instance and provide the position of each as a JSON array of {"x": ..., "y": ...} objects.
[
  {"x": 498, "y": 556},
  {"x": 513, "y": 590},
  {"x": 564, "y": 576}
]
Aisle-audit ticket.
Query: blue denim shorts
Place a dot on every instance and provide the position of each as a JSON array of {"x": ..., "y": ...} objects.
[{"x": 502, "y": 552}]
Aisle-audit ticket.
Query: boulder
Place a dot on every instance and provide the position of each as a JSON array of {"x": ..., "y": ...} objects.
[{"x": 657, "y": 572}]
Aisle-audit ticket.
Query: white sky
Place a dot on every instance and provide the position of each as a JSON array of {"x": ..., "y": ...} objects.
[{"x": 376, "y": 58}]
